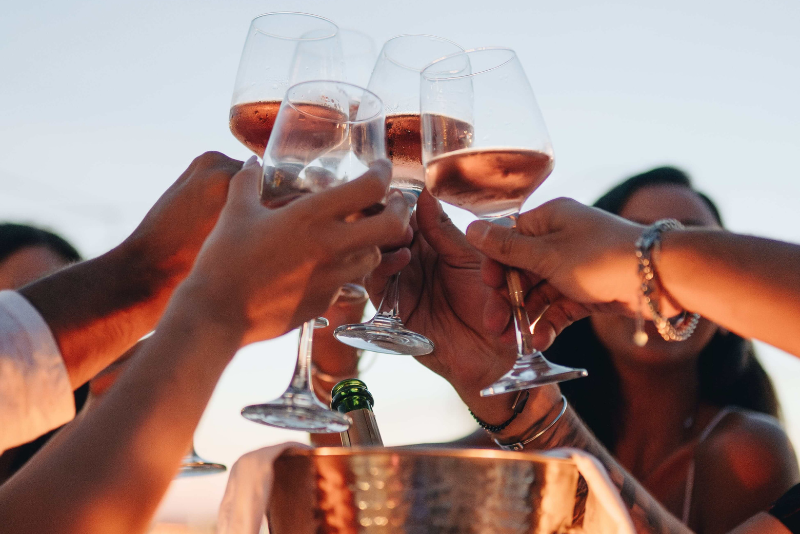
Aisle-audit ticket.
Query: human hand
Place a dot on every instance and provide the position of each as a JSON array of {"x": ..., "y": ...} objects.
[
  {"x": 576, "y": 260},
  {"x": 442, "y": 297},
  {"x": 269, "y": 270},
  {"x": 171, "y": 234}
]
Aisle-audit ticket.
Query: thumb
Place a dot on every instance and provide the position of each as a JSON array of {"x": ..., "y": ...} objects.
[
  {"x": 439, "y": 231},
  {"x": 505, "y": 245},
  {"x": 244, "y": 185}
]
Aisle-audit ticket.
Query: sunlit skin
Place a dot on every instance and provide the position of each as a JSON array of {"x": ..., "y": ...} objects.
[
  {"x": 108, "y": 472},
  {"x": 580, "y": 262},
  {"x": 659, "y": 386}
]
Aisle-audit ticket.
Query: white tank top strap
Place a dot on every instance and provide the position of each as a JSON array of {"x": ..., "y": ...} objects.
[{"x": 687, "y": 496}]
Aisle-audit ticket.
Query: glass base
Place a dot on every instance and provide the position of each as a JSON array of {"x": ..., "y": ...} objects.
[
  {"x": 194, "y": 466},
  {"x": 388, "y": 336},
  {"x": 297, "y": 411},
  {"x": 531, "y": 371}
]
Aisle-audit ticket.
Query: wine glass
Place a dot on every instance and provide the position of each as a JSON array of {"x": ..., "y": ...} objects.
[
  {"x": 193, "y": 465},
  {"x": 395, "y": 79},
  {"x": 510, "y": 155},
  {"x": 282, "y": 49},
  {"x": 326, "y": 133},
  {"x": 359, "y": 52}
]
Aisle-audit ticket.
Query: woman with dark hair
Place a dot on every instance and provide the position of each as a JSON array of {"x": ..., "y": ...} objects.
[
  {"x": 694, "y": 421},
  {"x": 666, "y": 410},
  {"x": 27, "y": 254}
]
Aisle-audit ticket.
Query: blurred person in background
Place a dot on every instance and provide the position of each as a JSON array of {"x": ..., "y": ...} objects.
[
  {"x": 28, "y": 253},
  {"x": 752, "y": 290},
  {"x": 695, "y": 421}
]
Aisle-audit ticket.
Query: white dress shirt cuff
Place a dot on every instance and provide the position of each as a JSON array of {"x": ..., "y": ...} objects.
[{"x": 35, "y": 391}]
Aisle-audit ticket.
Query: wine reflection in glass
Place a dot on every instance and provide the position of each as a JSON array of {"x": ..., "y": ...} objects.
[
  {"x": 325, "y": 134},
  {"x": 509, "y": 157},
  {"x": 395, "y": 79},
  {"x": 281, "y": 49}
]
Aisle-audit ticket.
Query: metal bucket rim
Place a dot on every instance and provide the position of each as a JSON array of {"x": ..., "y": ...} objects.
[{"x": 420, "y": 452}]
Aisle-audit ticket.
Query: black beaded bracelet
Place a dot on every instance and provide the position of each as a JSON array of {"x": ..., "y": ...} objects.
[{"x": 517, "y": 407}]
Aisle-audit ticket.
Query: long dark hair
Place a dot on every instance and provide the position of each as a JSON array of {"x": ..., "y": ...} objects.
[
  {"x": 13, "y": 238},
  {"x": 728, "y": 371}
]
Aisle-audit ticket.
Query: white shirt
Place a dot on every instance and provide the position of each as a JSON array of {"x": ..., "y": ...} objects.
[{"x": 35, "y": 391}]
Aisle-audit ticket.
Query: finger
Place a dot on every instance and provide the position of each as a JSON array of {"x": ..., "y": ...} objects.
[
  {"x": 365, "y": 191},
  {"x": 506, "y": 245},
  {"x": 355, "y": 265},
  {"x": 440, "y": 232},
  {"x": 392, "y": 263},
  {"x": 497, "y": 312},
  {"x": 211, "y": 166},
  {"x": 493, "y": 273},
  {"x": 244, "y": 185},
  {"x": 539, "y": 298},
  {"x": 403, "y": 242},
  {"x": 383, "y": 230},
  {"x": 561, "y": 313}
]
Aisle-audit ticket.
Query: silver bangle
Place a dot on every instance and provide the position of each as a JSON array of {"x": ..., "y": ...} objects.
[
  {"x": 675, "y": 329},
  {"x": 518, "y": 446}
]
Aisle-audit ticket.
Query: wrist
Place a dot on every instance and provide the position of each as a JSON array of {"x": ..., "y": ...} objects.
[
  {"x": 204, "y": 302},
  {"x": 496, "y": 409}
]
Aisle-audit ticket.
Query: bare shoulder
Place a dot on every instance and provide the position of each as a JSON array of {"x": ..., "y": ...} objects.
[
  {"x": 742, "y": 467},
  {"x": 754, "y": 442}
]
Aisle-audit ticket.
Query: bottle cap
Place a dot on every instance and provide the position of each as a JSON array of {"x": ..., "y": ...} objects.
[{"x": 351, "y": 394}]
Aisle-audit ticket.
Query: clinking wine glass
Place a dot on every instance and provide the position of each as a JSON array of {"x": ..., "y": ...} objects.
[
  {"x": 510, "y": 155},
  {"x": 281, "y": 49},
  {"x": 326, "y": 133},
  {"x": 395, "y": 79}
]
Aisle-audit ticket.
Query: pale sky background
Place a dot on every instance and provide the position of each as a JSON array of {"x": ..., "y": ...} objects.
[{"x": 104, "y": 103}]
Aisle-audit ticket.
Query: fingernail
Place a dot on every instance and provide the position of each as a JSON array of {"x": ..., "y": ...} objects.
[
  {"x": 251, "y": 162},
  {"x": 477, "y": 231}
]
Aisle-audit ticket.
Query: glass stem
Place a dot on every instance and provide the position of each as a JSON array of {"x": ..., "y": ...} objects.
[
  {"x": 301, "y": 380},
  {"x": 390, "y": 303},
  {"x": 522, "y": 323}
]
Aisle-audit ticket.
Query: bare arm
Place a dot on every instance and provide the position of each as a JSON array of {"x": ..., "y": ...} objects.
[
  {"x": 747, "y": 284},
  {"x": 581, "y": 260},
  {"x": 110, "y": 470},
  {"x": 99, "y": 308}
]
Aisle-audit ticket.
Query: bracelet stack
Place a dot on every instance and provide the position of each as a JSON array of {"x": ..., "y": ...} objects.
[
  {"x": 671, "y": 329},
  {"x": 519, "y": 445}
]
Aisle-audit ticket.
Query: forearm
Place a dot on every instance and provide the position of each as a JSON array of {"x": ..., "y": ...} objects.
[
  {"x": 725, "y": 277},
  {"x": 99, "y": 308},
  {"x": 119, "y": 460}
]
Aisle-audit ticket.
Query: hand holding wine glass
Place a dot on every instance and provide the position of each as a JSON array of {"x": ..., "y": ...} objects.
[
  {"x": 509, "y": 157},
  {"x": 395, "y": 79},
  {"x": 326, "y": 135}
]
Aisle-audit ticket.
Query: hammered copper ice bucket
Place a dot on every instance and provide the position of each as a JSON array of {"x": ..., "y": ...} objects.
[{"x": 431, "y": 491}]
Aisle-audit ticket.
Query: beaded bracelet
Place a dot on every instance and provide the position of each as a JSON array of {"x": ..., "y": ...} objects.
[
  {"x": 675, "y": 329},
  {"x": 517, "y": 407}
]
